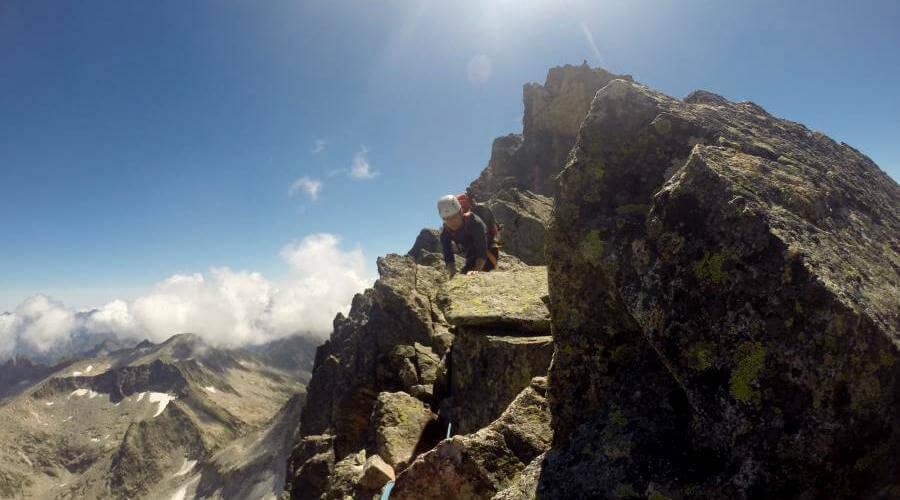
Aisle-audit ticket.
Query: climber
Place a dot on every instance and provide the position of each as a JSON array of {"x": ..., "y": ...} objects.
[{"x": 468, "y": 230}]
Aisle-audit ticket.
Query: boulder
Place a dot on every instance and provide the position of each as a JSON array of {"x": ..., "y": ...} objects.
[
  {"x": 376, "y": 473},
  {"x": 502, "y": 299},
  {"x": 399, "y": 423},
  {"x": 427, "y": 363}
]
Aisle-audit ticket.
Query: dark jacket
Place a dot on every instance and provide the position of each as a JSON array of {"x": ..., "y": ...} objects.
[{"x": 472, "y": 237}]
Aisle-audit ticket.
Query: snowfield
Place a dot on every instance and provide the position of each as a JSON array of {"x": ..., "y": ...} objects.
[
  {"x": 161, "y": 398},
  {"x": 186, "y": 467}
]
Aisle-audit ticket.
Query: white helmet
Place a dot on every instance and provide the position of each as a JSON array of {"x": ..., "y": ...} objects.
[{"x": 448, "y": 205}]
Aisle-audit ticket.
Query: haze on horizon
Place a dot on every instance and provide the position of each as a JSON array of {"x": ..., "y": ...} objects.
[{"x": 234, "y": 169}]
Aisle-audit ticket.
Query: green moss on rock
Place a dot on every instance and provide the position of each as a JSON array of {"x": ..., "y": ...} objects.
[
  {"x": 709, "y": 268},
  {"x": 624, "y": 490},
  {"x": 592, "y": 248},
  {"x": 749, "y": 359},
  {"x": 633, "y": 208},
  {"x": 700, "y": 356}
]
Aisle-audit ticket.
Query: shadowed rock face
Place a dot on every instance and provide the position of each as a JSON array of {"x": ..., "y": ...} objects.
[
  {"x": 724, "y": 297},
  {"x": 524, "y": 217},
  {"x": 488, "y": 371}
]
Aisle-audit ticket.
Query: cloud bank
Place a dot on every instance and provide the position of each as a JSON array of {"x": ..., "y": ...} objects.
[{"x": 224, "y": 306}]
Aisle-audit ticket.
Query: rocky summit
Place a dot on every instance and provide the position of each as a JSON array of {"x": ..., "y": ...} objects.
[{"x": 696, "y": 299}]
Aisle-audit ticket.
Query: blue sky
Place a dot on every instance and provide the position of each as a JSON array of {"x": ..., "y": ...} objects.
[{"x": 139, "y": 140}]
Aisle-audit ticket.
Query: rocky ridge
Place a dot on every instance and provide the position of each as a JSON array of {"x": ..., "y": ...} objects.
[
  {"x": 414, "y": 356},
  {"x": 720, "y": 306}
]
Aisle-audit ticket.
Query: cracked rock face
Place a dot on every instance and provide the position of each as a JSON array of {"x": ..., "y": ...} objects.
[
  {"x": 479, "y": 465},
  {"x": 489, "y": 371},
  {"x": 524, "y": 217},
  {"x": 724, "y": 295}
]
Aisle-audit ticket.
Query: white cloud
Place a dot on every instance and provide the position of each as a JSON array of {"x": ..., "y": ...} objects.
[
  {"x": 225, "y": 307},
  {"x": 9, "y": 328},
  {"x": 44, "y": 322},
  {"x": 361, "y": 169},
  {"x": 323, "y": 281},
  {"x": 113, "y": 317},
  {"x": 479, "y": 69},
  {"x": 590, "y": 40},
  {"x": 311, "y": 187},
  {"x": 319, "y": 146}
]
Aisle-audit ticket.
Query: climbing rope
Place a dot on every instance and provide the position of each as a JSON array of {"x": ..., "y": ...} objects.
[{"x": 386, "y": 492}]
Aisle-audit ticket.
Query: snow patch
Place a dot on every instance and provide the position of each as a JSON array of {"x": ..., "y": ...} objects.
[
  {"x": 84, "y": 392},
  {"x": 76, "y": 374},
  {"x": 161, "y": 399},
  {"x": 88, "y": 369},
  {"x": 179, "y": 495},
  {"x": 95, "y": 440},
  {"x": 210, "y": 389},
  {"x": 182, "y": 492},
  {"x": 49, "y": 403},
  {"x": 141, "y": 396},
  {"x": 186, "y": 467}
]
